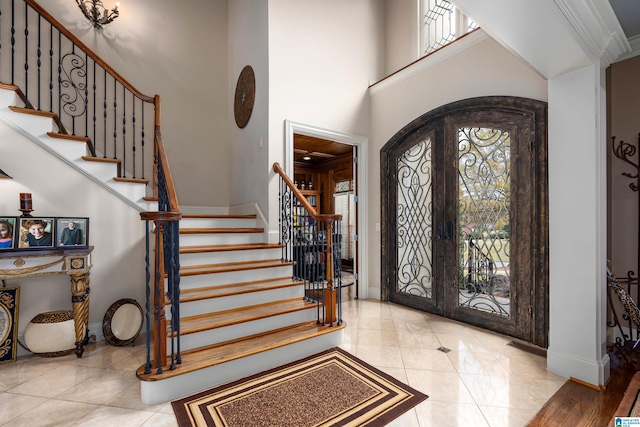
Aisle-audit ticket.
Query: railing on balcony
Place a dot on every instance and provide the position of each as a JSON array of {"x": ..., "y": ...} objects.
[
  {"x": 313, "y": 242},
  {"x": 57, "y": 73}
]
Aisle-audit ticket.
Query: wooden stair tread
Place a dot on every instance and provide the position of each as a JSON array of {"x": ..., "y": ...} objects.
[
  {"x": 204, "y": 322},
  {"x": 219, "y": 230},
  {"x": 100, "y": 159},
  {"x": 33, "y": 112},
  {"x": 8, "y": 86},
  {"x": 228, "y": 247},
  {"x": 132, "y": 180},
  {"x": 194, "y": 270},
  {"x": 188, "y": 295},
  {"x": 218, "y": 216},
  {"x": 194, "y": 360},
  {"x": 69, "y": 137}
]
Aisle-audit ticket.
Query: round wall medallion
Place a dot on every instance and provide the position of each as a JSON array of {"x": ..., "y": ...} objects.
[{"x": 245, "y": 96}]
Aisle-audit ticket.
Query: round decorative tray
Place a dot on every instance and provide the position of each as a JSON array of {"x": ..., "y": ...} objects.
[{"x": 122, "y": 322}]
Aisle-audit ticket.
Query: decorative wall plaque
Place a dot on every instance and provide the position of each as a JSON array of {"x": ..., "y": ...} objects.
[{"x": 245, "y": 96}]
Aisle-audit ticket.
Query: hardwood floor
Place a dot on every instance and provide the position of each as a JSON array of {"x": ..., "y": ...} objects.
[{"x": 579, "y": 405}]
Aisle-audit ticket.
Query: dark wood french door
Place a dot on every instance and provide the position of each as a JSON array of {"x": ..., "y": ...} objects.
[{"x": 464, "y": 214}]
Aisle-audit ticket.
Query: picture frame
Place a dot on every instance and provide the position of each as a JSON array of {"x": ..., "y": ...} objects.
[
  {"x": 72, "y": 236},
  {"x": 9, "y": 303},
  {"x": 8, "y": 229},
  {"x": 36, "y": 233}
]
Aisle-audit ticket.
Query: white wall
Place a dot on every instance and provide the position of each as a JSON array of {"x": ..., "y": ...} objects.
[
  {"x": 435, "y": 81},
  {"x": 115, "y": 230},
  {"x": 164, "y": 47},
  {"x": 322, "y": 56},
  {"x": 577, "y": 226}
]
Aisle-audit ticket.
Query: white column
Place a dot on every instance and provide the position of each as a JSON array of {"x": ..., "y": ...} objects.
[{"x": 577, "y": 215}]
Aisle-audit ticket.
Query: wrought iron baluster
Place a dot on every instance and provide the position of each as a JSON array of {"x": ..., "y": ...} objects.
[
  {"x": 133, "y": 132},
  {"x": 26, "y": 52},
  {"x": 124, "y": 132},
  {"x": 86, "y": 96},
  {"x": 142, "y": 138},
  {"x": 115, "y": 121},
  {"x": 94, "y": 117},
  {"x": 104, "y": 116},
  {"x": 13, "y": 41},
  {"x": 59, "y": 81},
  {"x": 38, "y": 61},
  {"x": 50, "y": 68}
]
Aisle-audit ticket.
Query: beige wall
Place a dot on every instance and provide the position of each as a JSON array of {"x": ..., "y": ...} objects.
[
  {"x": 164, "y": 47},
  {"x": 484, "y": 68},
  {"x": 624, "y": 117}
]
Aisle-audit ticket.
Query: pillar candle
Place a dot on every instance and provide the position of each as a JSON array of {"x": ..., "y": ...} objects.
[{"x": 25, "y": 201}]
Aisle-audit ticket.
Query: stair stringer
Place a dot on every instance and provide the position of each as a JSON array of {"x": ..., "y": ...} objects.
[
  {"x": 155, "y": 392},
  {"x": 35, "y": 129}
]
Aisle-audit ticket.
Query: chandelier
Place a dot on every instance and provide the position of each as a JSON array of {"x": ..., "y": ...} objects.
[{"x": 96, "y": 13}]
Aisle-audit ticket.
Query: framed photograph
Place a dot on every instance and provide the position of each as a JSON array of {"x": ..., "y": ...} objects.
[
  {"x": 8, "y": 232},
  {"x": 37, "y": 232},
  {"x": 72, "y": 232},
  {"x": 9, "y": 298}
]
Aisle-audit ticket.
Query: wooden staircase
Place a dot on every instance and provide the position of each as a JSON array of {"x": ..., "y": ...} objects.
[{"x": 240, "y": 310}]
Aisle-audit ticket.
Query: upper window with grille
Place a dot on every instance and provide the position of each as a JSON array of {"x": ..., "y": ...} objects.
[{"x": 442, "y": 23}]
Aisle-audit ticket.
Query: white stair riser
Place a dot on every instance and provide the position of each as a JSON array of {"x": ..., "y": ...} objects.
[
  {"x": 7, "y": 98},
  {"x": 216, "y": 279},
  {"x": 229, "y": 256},
  {"x": 37, "y": 126},
  {"x": 132, "y": 191},
  {"x": 99, "y": 170},
  {"x": 220, "y": 239},
  {"x": 218, "y": 223},
  {"x": 230, "y": 302},
  {"x": 72, "y": 150},
  {"x": 155, "y": 392},
  {"x": 227, "y": 333}
]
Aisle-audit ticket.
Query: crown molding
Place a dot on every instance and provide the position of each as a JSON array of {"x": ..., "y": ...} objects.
[{"x": 596, "y": 28}]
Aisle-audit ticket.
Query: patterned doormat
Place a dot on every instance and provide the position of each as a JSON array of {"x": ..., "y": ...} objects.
[{"x": 331, "y": 388}]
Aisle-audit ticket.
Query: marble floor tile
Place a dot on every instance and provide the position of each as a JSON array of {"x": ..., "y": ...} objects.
[{"x": 481, "y": 382}]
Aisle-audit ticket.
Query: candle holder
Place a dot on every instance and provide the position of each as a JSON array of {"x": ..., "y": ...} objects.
[{"x": 26, "y": 205}]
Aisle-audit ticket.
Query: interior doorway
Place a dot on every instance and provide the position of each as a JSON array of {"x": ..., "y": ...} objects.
[
  {"x": 325, "y": 172},
  {"x": 342, "y": 144}
]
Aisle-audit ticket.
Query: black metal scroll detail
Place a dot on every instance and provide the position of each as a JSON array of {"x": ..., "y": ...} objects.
[
  {"x": 484, "y": 219},
  {"x": 72, "y": 74},
  {"x": 415, "y": 221}
]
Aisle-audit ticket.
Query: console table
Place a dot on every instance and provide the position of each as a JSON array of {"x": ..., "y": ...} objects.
[{"x": 73, "y": 261}]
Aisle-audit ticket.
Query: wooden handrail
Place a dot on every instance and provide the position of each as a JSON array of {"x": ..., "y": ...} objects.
[
  {"x": 53, "y": 21},
  {"x": 303, "y": 200}
]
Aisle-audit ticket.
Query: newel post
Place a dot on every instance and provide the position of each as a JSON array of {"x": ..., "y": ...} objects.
[
  {"x": 330, "y": 291},
  {"x": 159, "y": 319}
]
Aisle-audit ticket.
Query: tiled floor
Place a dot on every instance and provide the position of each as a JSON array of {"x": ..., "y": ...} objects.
[{"x": 480, "y": 382}]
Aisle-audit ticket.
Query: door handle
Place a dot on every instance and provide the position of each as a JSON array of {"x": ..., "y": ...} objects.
[{"x": 445, "y": 232}]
